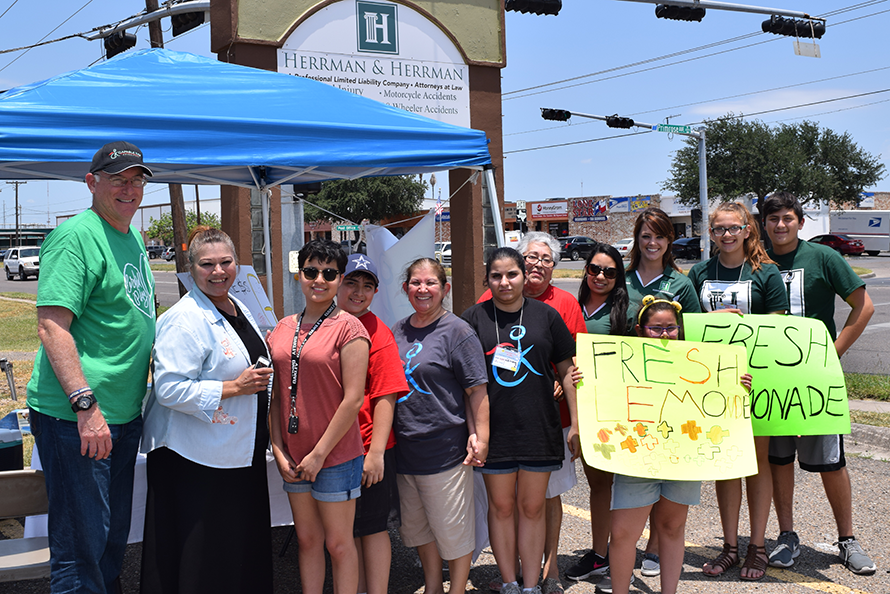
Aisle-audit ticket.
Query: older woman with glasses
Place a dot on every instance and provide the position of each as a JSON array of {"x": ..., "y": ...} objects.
[
  {"x": 314, "y": 418},
  {"x": 540, "y": 252}
]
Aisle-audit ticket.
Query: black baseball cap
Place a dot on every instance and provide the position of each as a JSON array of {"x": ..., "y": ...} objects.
[{"x": 116, "y": 157}]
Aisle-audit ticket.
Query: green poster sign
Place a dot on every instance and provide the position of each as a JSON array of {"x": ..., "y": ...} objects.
[{"x": 798, "y": 385}]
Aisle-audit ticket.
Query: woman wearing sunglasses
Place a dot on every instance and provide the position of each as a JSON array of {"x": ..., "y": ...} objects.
[
  {"x": 741, "y": 279},
  {"x": 606, "y": 306},
  {"x": 313, "y": 422}
]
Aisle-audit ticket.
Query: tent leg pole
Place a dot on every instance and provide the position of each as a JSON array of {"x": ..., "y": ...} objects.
[
  {"x": 267, "y": 240},
  {"x": 495, "y": 207}
]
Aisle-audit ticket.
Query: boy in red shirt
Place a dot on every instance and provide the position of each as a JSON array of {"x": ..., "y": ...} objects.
[{"x": 386, "y": 383}]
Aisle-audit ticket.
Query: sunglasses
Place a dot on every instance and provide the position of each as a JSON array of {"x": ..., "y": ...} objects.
[
  {"x": 609, "y": 272},
  {"x": 328, "y": 274}
]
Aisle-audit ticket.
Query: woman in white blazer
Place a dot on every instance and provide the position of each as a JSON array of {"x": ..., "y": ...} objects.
[{"x": 206, "y": 435}]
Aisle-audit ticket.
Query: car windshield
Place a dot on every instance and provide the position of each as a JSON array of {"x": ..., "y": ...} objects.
[
  {"x": 29, "y": 253},
  {"x": 623, "y": 241}
]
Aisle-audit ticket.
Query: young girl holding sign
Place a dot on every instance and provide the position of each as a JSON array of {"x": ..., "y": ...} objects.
[
  {"x": 633, "y": 497},
  {"x": 741, "y": 279}
]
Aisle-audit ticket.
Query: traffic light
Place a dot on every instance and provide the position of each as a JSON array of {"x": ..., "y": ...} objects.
[
  {"x": 793, "y": 28},
  {"x": 556, "y": 115},
  {"x": 534, "y": 6},
  {"x": 613, "y": 121},
  {"x": 680, "y": 13},
  {"x": 186, "y": 21},
  {"x": 119, "y": 42}
]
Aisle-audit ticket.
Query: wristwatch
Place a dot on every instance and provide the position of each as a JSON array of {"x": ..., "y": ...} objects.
[{"x": 83, "y": 402}]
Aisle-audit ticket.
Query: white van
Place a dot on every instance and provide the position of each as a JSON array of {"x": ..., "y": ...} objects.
[{"x": 872, "y": 227}]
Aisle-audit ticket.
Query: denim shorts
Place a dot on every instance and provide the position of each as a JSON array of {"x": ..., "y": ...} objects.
[
  {"x": 510, "y": 466},
  {"x": 630, "y": 492},
  {"x": 335, "y": 483}
]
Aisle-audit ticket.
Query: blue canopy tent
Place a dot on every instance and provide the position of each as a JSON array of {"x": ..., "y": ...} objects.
[{"x": 201, "y": 121}]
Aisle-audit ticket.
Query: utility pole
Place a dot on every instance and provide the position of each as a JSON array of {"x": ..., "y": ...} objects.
[
  {"x": 177, "y": 205},
  {"x": 16, "y": 184}
]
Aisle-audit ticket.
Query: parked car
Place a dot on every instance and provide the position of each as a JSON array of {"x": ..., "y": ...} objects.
[
  {"x": 624, "y": 246},
  {"x": 2, "y": 255},
  {"x": 155, "y": 251},
  {"x": 687, "y": 248},
  {"x": 443, "y": 252},
  {"x": 843, "y": 244},
  {"x": 22, "y": 261},
  {"x": 576, "y": 247},
  {"x": 169, "y": 254}
]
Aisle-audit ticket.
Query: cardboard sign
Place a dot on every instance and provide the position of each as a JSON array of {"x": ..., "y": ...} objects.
[
  {"x": 667, "y": 409},
  {"x": 798, "y": 386}
]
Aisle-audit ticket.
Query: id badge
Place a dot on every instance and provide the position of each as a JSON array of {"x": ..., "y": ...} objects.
[{"x": 506, "y": 357}]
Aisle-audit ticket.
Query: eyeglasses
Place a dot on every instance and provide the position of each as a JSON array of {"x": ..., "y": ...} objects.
[
  {"x": 609, "y": 272},
  {"x": 328, "y": 274},
  {"x": 659, "y": 330},
  {"x": 721, "y": 231},
  {"x": 120, "y": 181},
  {"x": 546, "y": 262}
]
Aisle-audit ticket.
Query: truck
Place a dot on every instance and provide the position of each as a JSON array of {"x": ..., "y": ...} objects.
[{"x": 872, "y": 227}]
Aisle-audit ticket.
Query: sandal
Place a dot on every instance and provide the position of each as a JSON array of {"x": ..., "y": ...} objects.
[
  {"x": 756, "y": 560},
  {"x": 727, "y": 558}
]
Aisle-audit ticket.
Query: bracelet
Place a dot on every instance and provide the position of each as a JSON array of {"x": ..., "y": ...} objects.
[{"x": 80, "y": 392}]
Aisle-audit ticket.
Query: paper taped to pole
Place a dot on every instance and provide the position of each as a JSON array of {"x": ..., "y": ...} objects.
[{"x": 666, "y": 409}]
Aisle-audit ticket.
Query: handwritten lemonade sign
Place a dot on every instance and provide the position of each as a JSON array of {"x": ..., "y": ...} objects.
[
  {"x": 669, "y": 409},
  {"x": 798, "y": 386}
]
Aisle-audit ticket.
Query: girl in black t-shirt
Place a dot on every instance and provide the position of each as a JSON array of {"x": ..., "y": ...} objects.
[{"x": 521, "y": 338}]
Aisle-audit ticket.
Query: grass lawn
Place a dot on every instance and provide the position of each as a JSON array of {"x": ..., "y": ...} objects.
[{"x": 18, "y": 325}]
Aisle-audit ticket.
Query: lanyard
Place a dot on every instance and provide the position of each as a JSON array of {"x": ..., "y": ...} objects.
[
  {"x": 295, "y": 362},
  {"x": 498, "y": 330}
]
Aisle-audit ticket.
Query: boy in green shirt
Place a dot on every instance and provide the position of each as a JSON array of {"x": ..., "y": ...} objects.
[{"x": 813, "y": 275}]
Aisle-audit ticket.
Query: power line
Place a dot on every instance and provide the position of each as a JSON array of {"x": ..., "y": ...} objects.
[
  {"x": 747, "y": 115},
  {"x": 538, "y": 88},
  {"x": 8, "y": 9},
  {"x": 88, "y": 2},
  {"x": 706, "y": 101}
]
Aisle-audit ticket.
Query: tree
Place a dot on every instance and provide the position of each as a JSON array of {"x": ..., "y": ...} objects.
[
  {"x": 372, "y": 198},
  {"x": 162, "y": 228},
  {"x": 750, "y": 157}
]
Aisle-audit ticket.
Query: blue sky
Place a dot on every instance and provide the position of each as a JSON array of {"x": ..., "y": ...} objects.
[{"x": 754, "y": 73}]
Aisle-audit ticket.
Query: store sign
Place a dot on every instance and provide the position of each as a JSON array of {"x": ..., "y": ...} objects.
[
  {"x": 548, "y": 210},
  {"x": 629, "y": 203},
  {"x": 585, "y": 210},
  {"x": 383, "y": 51}
]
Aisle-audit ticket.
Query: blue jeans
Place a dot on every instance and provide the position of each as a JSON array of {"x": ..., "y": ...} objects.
[{"x": 89, "y": 503}]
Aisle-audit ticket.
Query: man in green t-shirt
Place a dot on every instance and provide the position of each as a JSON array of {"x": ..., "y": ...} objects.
[
  {"x": 96, "y": 323},
  {"x": 813, "y": 275}
]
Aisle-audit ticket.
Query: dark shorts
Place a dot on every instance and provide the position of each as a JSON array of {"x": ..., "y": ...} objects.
[
  {"x": 379, "y": 503},
  {"x": 815, "y": 453},
  {"x": 510, "y": 466}
]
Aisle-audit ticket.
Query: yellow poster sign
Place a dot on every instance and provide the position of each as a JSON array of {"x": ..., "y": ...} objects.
[{"x": 666, "y": 409}]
